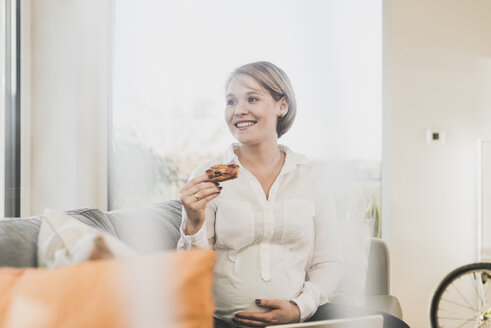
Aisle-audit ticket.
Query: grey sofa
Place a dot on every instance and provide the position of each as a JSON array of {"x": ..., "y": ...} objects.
[{"x": 156, "y": 228}]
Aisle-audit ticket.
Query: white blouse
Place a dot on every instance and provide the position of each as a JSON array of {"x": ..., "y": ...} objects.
[{"x": 285, "y": 247}]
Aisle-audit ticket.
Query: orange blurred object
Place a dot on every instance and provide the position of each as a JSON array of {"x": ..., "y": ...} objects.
[{"x": 98, "y": 293}]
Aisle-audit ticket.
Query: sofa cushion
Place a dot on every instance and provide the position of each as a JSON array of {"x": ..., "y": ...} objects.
[
  {"x": 149, "y": 229},
  {"x": 169, "y": 289},
  {"x": 18, "y": 242},
  {"x": 94, "y": 218},
  {"x": 19, "y": 236},
  {"x": 64, "y": 240}
]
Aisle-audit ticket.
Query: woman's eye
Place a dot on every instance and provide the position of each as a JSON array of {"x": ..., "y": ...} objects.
[
  {"x": 231, "y": 102},
  {"x": 253, "y": 99}
]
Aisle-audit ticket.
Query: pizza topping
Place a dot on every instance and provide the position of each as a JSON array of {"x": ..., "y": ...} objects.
[{"x": 222, "y": 172}]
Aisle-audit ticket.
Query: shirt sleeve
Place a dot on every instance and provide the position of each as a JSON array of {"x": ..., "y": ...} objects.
[
  {"x": 325, "y": 268},
  {"x": 205, "y": 236}
]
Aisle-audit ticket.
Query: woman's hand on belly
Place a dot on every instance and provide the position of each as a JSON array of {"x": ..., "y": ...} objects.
[{"x": 280, "y": 311}]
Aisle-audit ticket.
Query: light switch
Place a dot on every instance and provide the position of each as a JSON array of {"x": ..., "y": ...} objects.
[{"x": 435, "y": 136}]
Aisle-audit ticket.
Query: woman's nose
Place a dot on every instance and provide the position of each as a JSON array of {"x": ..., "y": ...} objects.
[{"x": 240, "y": 109}]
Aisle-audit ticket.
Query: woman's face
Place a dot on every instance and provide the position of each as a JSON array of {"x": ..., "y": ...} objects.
[{"x": 251, "y": 112}]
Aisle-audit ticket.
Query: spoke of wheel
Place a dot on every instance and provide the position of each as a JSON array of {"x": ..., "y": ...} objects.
[
  {"x": 453, "y": 318},
  {"x": 467, "y": 321},
  {"x": 462, "y": 295},
  {"x": 483, "y": 295},
  {"x": 477, "y": 290},
  {"x": 486, "y": 284},
  {"x": 455, "y": 303}
]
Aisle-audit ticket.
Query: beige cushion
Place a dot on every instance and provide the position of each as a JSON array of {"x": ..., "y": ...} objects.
[{"x": 64, "y": 240}]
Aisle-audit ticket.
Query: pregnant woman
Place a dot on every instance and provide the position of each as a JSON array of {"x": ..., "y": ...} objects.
[{"x": 273, "y": 227}]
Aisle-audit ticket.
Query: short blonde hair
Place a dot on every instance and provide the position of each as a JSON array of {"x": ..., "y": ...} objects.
[{"x": 277, "y": 83}]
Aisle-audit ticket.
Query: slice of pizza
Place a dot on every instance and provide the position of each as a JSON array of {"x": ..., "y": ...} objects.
[{"x": 222, "y": 172}]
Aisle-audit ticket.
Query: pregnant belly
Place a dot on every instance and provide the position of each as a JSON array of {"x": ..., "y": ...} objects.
[
  {"x": 236, "y": 287},
  {"x": 231, "y": 296}
]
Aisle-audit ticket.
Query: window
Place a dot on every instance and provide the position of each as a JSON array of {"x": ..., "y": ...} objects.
[{"x": 170, "y": 63}]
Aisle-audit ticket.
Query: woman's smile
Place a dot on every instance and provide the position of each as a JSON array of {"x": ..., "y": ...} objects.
[{"x": 244, "y": 125}]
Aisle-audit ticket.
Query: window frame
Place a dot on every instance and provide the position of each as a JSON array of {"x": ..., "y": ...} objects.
[{"x": 12, "y": 178}]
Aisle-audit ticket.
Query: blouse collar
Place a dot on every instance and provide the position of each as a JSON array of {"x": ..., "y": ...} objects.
[{"x": 292, "y": 159}]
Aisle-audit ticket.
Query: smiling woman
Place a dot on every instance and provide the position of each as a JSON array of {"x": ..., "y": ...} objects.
[
  {"x": 256, "y": 220},
  {"x": 274, "y": 228}
]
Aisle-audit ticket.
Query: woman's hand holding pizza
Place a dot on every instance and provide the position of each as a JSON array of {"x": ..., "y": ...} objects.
[
  {"x": 200, "y": 190},
  {"x": 194, "y": 196}
]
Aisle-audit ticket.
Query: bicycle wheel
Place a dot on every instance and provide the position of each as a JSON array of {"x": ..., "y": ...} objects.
[{"x": 463, "y": 298}]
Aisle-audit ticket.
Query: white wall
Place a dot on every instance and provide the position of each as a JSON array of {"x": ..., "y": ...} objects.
[
  {"x": 440, "y": 77},
  {"x": 68, "y": 114}
]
